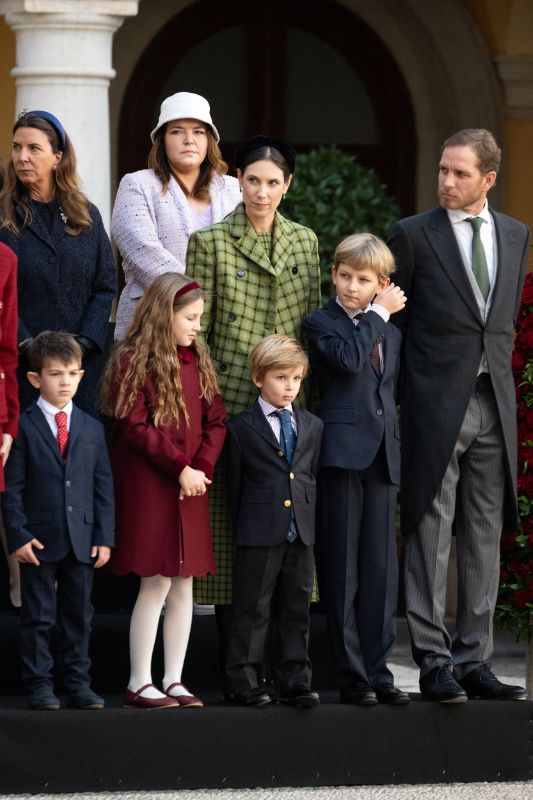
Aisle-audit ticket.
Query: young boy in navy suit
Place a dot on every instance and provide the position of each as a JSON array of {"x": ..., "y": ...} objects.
[
  {"x": 272, "y": 450},
  {"x": 355, "y": 355},
  {"x": 58, "y": 511}
]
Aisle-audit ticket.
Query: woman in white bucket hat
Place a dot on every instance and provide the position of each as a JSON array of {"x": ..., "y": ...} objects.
[{"x": 185, "y": 188}]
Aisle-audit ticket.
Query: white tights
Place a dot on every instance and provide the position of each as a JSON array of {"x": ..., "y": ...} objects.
[{"x": 154, "y": 591}]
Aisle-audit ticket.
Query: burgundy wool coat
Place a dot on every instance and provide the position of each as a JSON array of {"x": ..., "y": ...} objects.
[
  {"x": 156, "y": 533},
  {"x": 9, "y": 402}
]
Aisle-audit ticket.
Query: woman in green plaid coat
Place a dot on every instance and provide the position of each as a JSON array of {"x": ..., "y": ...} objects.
[{"x": 261, "y": 275}]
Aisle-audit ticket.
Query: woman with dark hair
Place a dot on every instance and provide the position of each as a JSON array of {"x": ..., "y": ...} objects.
[
  {"x": 66, "y": 270},
  {"x": 184, "y": 188},
  {"x": 261, "y": 275}
]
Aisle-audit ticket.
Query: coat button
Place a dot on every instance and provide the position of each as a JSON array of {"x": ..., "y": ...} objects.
[
  {"x": 281, "y": 453},
  {"x": 294, "y": 270},
  {"x": 379, "y": 412},
  {"x": 223, "y": 368},
  {"x": 291, "y": 475},
  {"x": 241, "y": 273},
  {"x": 68, "y": 483},
  {"x": 287, "y": 503},
  {"x": 69, "y": 508},
  {"x": 232, "y": 317}
]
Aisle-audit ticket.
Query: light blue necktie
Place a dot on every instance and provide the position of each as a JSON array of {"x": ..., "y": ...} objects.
[{"x": 287, "y": 440}]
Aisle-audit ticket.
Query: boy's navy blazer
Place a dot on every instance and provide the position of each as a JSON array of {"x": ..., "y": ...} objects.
[
  {"x": 357, "y": 406},
  {"x": 63, "y": 504},
  {"x": 264, "y": 489}
]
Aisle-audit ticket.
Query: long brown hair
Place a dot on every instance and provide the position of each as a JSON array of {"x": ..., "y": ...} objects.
[
  {"x": 66, "y": 192},
  {"x": 150, "y": 347},
  {"x": 212, "y": 164}
]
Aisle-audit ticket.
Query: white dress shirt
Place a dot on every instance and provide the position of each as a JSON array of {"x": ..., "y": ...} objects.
[{"x": 50, "y": 412}]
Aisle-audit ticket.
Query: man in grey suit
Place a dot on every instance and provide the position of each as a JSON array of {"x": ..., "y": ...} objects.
[{"x": 462, "y": 266}]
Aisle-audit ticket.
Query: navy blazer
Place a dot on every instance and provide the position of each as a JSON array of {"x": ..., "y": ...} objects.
[
  {"x": 63, "y": 504},
  {"x": 357, "y": 406},
  {"x": 264, "y": 489}
]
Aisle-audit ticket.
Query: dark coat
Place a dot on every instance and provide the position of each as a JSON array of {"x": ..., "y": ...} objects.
[
  {"x": 65, "y": 283},
  {"x": 63, "y": 504},
  {"x": 157, "y": 534},
  {"x": 9, "y": 401},
  {"x": 444, "y": 338},
  {"x": 358, "y": 408},
  {"x": 264, "y": 489}
]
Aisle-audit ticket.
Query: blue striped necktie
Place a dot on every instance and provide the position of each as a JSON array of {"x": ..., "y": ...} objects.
[{"x": 287, "y": 440}]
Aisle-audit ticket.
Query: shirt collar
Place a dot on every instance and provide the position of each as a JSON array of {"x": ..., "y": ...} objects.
[
  {"x": 458, "y": 215},
  {"x": 268, "y": 409},
  {"x": 50, "y": 410},
  {"x": 352, "y": 313}
]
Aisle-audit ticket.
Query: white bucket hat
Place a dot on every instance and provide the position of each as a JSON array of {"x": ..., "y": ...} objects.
[{"x": 185, "y": 105}]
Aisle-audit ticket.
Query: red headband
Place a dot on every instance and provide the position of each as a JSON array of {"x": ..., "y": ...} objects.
[{"x": 187, "y": 288}]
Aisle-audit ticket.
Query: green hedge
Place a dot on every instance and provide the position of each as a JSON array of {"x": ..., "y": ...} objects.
[{"x": 332, "y": 194}]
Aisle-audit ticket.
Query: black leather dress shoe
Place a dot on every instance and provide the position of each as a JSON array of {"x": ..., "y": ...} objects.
[
  {"x": 301, "y": 696},
  {"x": 440, "y": 686},
  {"x": 483, "y": 683},
  {"x": 390, "y": 694},
  {"x": 255, "y": 698},
  {"x": 360, "y": 695}
]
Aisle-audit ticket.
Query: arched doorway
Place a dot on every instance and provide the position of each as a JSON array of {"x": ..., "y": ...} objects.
[{"x": 317, "y": 77}]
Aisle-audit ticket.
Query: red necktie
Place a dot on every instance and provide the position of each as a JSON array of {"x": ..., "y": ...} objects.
[
  {"x": 374, "y": 353},
  {"x": 62, "y": 431}
]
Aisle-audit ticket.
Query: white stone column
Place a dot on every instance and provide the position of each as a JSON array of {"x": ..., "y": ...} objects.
[{"x": 64, "y": 66}]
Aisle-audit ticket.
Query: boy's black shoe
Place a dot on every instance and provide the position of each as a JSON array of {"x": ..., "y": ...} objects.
[
  {"x": 483, "y": 683},
  {"x": 391, "y": 695},
  {"x": 301, "y": 696},
  {"x": 85, "y": 699},
  {"x": 255, "y": 698},
  {"x": 440, "y": 686},
  {"x": 42, "y": 698},
  {"x": 360, "y": 694}
]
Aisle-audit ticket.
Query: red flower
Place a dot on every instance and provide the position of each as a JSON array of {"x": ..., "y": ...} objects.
[
  {"x": 525, "y": 484},
  {"x": 518, "y": 361},
  {"x": 520, "y": 598},
  {"x": 527, "y": 293},
  {"x": 508, "y": 541}
]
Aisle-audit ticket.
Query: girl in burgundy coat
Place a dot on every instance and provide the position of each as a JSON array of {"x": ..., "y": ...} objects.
[{"x": 161, "y": 387}]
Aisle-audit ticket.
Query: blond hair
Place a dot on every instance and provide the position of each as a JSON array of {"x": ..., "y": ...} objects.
[
  {"x": 277, "y": 352},
  {"x": 365, "y": 251},
  {"x": 150, "y": 347}
]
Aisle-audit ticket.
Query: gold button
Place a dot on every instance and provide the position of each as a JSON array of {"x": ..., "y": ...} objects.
[
  {"x": 291, "y": 475},
  {"x": 281, "y": 453},
  {"x": 287, "y": 503}
]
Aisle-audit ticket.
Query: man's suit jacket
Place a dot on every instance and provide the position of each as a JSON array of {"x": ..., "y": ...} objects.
[
  {"x": 63, "y": 504},
  {"x": 444, "y": 338},
  {"x": 264, "y": 489},
  {"x": 357, "y": 406},
  {"x": 249, "y": 295}
]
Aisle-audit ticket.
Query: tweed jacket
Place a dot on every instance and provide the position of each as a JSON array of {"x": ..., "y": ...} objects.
[
  {"x": 250, "y": 295},
  {"x": 151, "y": 229}
]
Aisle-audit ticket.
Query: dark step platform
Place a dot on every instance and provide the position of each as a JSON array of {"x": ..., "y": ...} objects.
[{"x": 221, "y": 747}]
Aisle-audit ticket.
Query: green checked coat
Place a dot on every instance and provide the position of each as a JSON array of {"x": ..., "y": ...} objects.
[{"x": 248, "y": 296}]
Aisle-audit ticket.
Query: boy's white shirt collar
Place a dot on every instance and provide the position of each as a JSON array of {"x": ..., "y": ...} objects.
[
  {"x": 50, "y": 412},
  {"x": 381, "y": 310}
]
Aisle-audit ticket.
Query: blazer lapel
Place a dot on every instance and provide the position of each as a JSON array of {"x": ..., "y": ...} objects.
[
  {"x": 37, "y": 227},
  {"x": 282, "y": 243},
  {"x": 256, "y": 419},
  {"x": 39, "y": 420},
  {"x": 302, "y": 425},
  {"x": 76, "y": 424},
  {"x": 506, "y": 243},
  {"x": 247, "y": 242},
  {"x": 182, "y": 206},
  {"x": 444, "y": 244}
]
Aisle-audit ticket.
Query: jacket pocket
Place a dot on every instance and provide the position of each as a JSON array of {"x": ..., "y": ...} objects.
[
  {"x": 310, "y": 494},
  {"x": 257, "y": 494},
  {"x": 89, "y": 517}
]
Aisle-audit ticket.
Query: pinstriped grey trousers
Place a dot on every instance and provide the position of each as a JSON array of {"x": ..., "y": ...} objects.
[{"x": 470, "y": 501}]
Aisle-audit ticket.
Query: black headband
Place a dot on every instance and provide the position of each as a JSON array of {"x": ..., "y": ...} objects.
[{"x": 256, "y": 142}]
